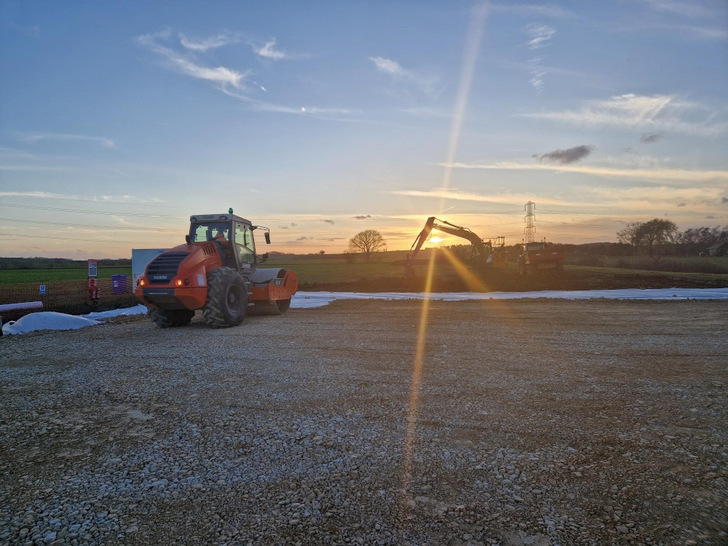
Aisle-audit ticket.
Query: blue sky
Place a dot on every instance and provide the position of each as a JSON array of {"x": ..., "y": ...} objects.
[{"x": 119, "y": 120}]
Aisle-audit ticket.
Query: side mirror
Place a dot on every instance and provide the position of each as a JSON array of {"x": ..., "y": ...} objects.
[{"x": 267, "y": 237}]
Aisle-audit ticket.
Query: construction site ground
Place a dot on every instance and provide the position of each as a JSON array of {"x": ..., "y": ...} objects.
[
  {"x": 374, "y": 422},
  {"x": 494, "y": 280}
]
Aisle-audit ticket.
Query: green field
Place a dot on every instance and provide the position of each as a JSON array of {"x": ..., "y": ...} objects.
[
  {"x": 11, "y": 276},
  {"x": 337, "y": 269},
  {"x": 388, "y": 268}
]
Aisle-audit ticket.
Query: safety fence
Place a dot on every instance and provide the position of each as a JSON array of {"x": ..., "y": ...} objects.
[{"x": 72, "y": 297}]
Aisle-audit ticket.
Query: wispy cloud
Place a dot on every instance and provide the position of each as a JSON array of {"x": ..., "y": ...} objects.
[
  {"x": 316, "y": 110},
  {"x": 67, "y": 137},
  {"x": 223, "y": 77},
  {"x": 706, "y": 19},
  {"x": 648, "y": 197},
  {"x": 549, "y": 11},
  {"x": 538, "y": 36},
  {"x": 425, "y": 84},
  {"x": 340, "y": 114},
  {"x": 73, "y": 197},
  {"x": 211, "y": 42},
  {"x": 705, "y": 33},
  {"x": 388, "y": 66},
  {"x": 537, "y": 69},
  {"x": 34, "y": 194},
  {"x": 663, "y": 174},
  {"x": 537, "y": 76},
  {"x": 7, "y": 153},
  {"x": 668, "y": 113},
  {"x": 679, "y": 7},
  {"x": 454, "y": 195},
  {"x": 638, "y": 198},
  {"x": 269, "y": 51},
  {"x": 234, "y": 83}
]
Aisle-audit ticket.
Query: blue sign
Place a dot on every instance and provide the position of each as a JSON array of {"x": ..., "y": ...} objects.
[{"x": 42, "y": 289}]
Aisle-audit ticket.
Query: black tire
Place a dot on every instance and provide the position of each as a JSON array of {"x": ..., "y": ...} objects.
[
  {"x": 283, "y": 305},
  {"x": 227, "y": 298},
  {"x": 171, "y": 319}
]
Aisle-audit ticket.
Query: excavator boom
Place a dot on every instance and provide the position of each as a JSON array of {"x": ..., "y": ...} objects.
[
  {"x": 421, "y": 238},
  {"x": 483, "y": 250}
]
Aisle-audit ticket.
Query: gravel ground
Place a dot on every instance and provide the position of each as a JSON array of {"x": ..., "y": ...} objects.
[{"x": 525, "y": 422}]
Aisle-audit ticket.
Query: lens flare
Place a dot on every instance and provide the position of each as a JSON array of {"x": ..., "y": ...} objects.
[
  {"x": 415, "y": 385},
  {"x": 472, "y": 44}
]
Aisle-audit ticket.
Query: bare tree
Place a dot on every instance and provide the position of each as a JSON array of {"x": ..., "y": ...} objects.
[
  {"x": 367, "y": 242},
  {"x": 703, "y": 236},
  {"x": 628, "y": 235},
  {"x": 650, "y": 234},
  {"x": 656, "y": 232}
]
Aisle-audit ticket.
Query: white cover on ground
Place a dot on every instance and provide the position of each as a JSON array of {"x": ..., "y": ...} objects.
[{"x": 49, "y": 320}]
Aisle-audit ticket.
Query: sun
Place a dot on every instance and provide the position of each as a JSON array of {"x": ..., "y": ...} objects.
[{"x": 435, "y": 239}]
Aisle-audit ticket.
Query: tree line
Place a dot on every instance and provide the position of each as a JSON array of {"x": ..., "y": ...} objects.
[
  {"x": 653, "y": 237},
  {"x": 660, "y": 233}
]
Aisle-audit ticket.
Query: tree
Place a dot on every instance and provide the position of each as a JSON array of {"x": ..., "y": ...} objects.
[
  {"x": 656, "y": 232},
  {"x": 650, "y": 234},
  {"x": 703, "y": 236},
  {"x": 367, "y": 242},
  {"x": 628, "y": 235}
]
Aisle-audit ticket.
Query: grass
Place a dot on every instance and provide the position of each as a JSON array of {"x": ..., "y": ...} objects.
[
  {"x": 66, "y": 289},
  {"x": 12, "y": 276},
  {"x": 321, "y": 269},
  {"x": 336, "y": 268},
  {"x": 696, "y": 276}
]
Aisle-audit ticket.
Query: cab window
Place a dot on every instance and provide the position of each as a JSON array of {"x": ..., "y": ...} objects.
[
  {"x": 208, "y": 232},
  {"x": 244, "y": 244}
]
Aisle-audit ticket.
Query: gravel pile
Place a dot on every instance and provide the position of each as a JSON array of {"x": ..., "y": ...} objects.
[{"x": 525, "y": 422}]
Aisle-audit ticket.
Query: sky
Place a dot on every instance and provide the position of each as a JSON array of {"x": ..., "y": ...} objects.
[{"x": 119, "y": 120}]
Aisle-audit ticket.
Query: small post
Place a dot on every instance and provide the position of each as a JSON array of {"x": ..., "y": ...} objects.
[{"x": 93, "y": 285}]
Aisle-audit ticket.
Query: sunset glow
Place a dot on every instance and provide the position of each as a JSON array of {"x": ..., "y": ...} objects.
[{"x": 322, "y": 121}]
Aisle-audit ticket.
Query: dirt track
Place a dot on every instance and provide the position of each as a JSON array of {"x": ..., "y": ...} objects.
[{"x": 533, "y": 422}]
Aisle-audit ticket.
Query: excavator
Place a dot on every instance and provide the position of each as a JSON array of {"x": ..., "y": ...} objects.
[{"x": 482, "y": 251}]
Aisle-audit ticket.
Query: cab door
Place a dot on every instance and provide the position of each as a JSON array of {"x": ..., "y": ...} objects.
[{"x": 244, "y": 246}]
